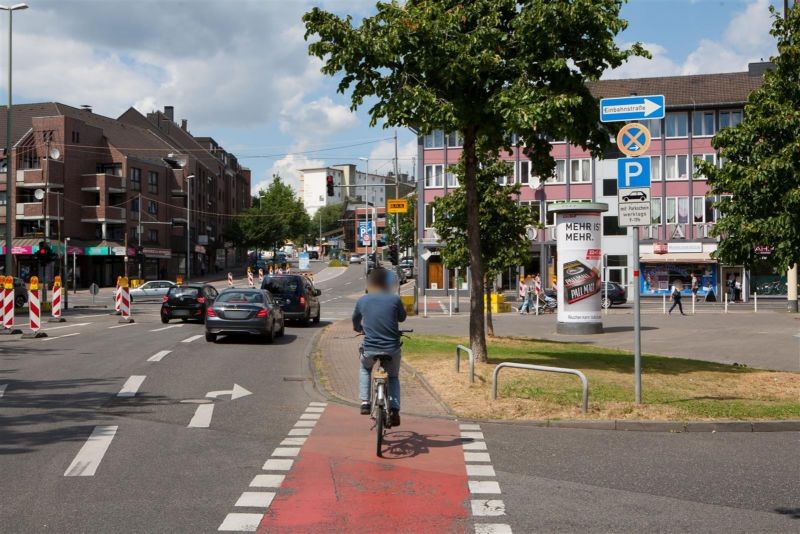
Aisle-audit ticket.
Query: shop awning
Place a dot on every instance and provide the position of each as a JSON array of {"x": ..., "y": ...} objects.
[{"x": 685, "y": 257}]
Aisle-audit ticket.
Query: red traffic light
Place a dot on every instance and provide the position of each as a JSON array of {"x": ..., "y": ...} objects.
[{"x": 329, "y": 181}]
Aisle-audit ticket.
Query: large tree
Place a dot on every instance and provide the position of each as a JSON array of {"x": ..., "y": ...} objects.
[
  {"x": 501, "y": 220},
  {"x": 277, "y": 216},
  {"x": 484, "y": 68},
  {"x": 762, "y": 163},
  {"x": 327, "y": 218}
]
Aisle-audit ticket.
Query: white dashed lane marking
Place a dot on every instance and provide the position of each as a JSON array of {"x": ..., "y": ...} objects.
[
  {"x": 158, "y": 356},
  {"x": 193, "y": 338},
  {"x": 131, "y": 386},
  {"x": 478, "y": 464},
  {"x": 91, "y": 454},
  {"x": 167, "y": 327},
  {"x": 256, "y": 499}
]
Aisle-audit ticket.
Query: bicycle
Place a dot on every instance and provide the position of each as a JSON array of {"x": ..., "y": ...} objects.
[{"x": 379, "y": 411}]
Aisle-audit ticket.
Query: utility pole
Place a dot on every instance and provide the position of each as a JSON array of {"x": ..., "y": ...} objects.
[
  {"x": 188, "y": 226},
  {"x": 139, "y": 238}
]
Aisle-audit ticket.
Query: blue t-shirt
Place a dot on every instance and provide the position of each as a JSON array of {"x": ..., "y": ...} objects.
[{"x": 378, "y": 315}]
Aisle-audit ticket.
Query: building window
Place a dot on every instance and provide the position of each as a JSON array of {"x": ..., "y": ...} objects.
[
  {"x": 581, "y": 171},
  {"x": 609, "y": 187},
  {"x": 708, "y": 158},
  {"x": 435, "y": 139},
  {"x": 729, "y": 118},
  {"x": 677, "y": 210},
  {"x": 455, "y": 140},
  {"x": 433, "y": 175},
  {"x": 698, "y": 210},
  {"x": 677, "y": 125},
  {"x": 3, "y": 198},
  {"x": 152, "y": 207},
  {"x": 655, "y": 168},
  {"x": 711, "y": 213},
  {"x": 703, "y": 124},
  {"x": 611, "y": 226},
  {"x": 76, "y": 137},
  {"x": 560, "y": 175},
  {"x": 534, "y": 208},
  {"x": 135, "y": 205},
  {"x": 677, "y": 167},
  {"x": 136, "y": 179},
  {"x": 153, "y": 236},
  {"x": 152, "y": 182},
  {"x": 655, "y": 210},
  {"x": 430, "y": 215},
  {"x": 654, "y": 125},
  {"x": 524, "y": 172}
]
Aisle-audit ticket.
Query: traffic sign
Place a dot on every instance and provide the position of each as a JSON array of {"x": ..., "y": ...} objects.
[
  {"x": 631, "y": 108},
  {"x": 633, "y": 139},
  {"x": 633, "y": 206},
  {"x": 365, "y": 233},
  {"x": 633, "y": 172},
  {"x": 397, "y": 205}
]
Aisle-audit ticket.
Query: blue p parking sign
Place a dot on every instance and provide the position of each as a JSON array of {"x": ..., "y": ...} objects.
[{"x": 633, "y": 172}]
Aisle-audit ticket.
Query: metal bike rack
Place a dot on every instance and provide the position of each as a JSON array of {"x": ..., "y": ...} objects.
[
  {"x": 546, "y": 369},
  {"x": 459, "y": 349}
]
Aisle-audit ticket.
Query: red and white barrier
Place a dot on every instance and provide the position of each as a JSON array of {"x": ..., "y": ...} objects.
[
  {"x": 230, "y": 279},
  {"x": 8, "y": 309},
  {"x": 34, "y": 310},
  {"x": 125, "y": 302},
  {"x": 260, "y": 276},
  {"x": 250, "y": 278},
  {"x": 56, "y": 309},
  {"x": 117, "y": 294}
]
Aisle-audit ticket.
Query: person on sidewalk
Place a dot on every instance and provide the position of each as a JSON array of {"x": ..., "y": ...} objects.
[
  {"x": 525, "y": 293},
  {"x": 676, "y": 300},
  {"x": 377, "y": 316},
  {"x": 695, "y": 286}
]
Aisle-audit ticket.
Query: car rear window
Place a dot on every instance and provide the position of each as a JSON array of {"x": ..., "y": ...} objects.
[
  {"x": 184, "y": 292},
  {"x": 282, "y": 285},
  {"x": 241, "y": 297}
]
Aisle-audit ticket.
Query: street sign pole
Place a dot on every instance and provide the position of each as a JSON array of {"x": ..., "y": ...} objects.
[{"x": 637, "y": 320}]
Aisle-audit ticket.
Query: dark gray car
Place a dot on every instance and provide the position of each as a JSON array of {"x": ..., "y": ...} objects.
[{"x": 244, "y": 311}]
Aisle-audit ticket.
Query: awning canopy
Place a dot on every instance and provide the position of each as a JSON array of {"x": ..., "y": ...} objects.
[{"x": 684, "y": 257}]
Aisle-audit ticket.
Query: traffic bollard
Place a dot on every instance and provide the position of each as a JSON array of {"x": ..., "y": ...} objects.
[
  {"x": 664, "y": 304},
  {"x": 425, "y": 302},
  {"x": 56, "y": 303},
  {"x": 34, "y": 311},
  {"x": 116, "y": 296},
  {"x": 230, "y": 279},
  {"x": 8, "y": 307},
  {"x": 726, "y": 303},
  {"x": 260, "y": 277},
  {"x": 755, "y": 302},
  {"x": 125, "y": 302},
  {"x": 250, "y": 278}
]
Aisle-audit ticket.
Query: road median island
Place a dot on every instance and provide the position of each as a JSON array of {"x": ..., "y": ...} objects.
[{"x": 674, "y": 389}]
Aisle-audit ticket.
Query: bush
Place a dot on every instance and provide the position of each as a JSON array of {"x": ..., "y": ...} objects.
[{"x": 336, "y": 263}]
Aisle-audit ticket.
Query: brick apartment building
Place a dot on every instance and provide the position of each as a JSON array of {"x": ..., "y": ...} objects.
[
  {"x": 682, "y": 211},
  {"x": 103, "y": 177}
]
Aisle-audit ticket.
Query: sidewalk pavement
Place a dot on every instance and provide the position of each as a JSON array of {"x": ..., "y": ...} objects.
[{"x": 339, "y": 354}]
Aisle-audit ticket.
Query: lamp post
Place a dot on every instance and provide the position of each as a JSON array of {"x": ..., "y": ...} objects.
[
  {"x": 188, "y": 225},
  {"x": 9, "y": 164},
  {"x": 65, "y": 280}
]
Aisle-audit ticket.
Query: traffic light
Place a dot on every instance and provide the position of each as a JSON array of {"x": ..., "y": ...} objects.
[
  {"x": 44, "y": 254},
  {"x": 329, "y": 182},
  {"x": 139, "y": 255},
  {"x": 393, "y": 256}
]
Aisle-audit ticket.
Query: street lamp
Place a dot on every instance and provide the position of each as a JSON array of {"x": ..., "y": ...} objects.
[
  {"x": 188, "y": 225},
  {"x": 9, "y": 211}
]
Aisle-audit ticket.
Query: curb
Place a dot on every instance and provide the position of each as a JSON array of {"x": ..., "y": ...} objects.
[
  {"x": 427, "y": 387},
  {"x": 657, "y": 426}
]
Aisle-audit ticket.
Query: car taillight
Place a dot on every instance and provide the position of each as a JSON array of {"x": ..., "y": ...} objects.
[
  {"x": 302, "y": 301},
  {"x": 211, "y": 313},
  {"x": 165, "y": 298},
  {"x": 201, "y": 300},
  {"x": 262, "y": 313}
]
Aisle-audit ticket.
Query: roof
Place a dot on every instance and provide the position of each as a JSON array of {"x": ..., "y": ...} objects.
[
  {"x": 22, "y": 116},
  {"x": 685, "y": 91}
]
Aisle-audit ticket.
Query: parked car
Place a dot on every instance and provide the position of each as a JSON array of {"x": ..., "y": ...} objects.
[
  {"x": 153, "y": 290},
  {"x": 187, "y": 301},
  {"x": 244, "y": 311},
  {"x": 20, "y": 293},
  {"x": 612, "y": 294},
  {"x": 313, "y": 255},
  {"x": 408, "y": 267},
  {"x": 356, "y": 258},
  {"x": 401, "y": 275},
  {"x": 296, "y": 296}
]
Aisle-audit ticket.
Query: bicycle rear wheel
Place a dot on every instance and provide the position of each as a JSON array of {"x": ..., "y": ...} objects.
[{"x": 379, "y": 430}]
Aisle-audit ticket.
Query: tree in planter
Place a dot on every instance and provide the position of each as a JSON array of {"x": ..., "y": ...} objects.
[
  {"x": 484, "y": 68},
  {"x": 762, "y": 165},
  {"x": 501, "y": 220}
]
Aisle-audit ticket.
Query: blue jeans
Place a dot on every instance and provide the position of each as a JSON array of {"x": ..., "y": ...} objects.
[
  {"x": 392, "y": 369},
  {"x": 527, "y": 304}
]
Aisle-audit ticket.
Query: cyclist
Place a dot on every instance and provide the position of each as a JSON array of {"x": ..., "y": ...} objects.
[{"x": 377, "y": 315}]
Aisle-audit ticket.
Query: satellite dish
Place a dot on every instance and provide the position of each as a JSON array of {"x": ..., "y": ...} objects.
[
  {"x": 55, "y": 153},
  {"x": 38, "y": 194}
]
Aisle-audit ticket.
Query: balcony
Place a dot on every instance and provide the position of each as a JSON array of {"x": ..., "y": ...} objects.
[
  {"x": 103, "y": 182},
  {"x": 100, "y": 214},
  {"x": 36, "y": 178},
  {"x": 35, "y": 210}
]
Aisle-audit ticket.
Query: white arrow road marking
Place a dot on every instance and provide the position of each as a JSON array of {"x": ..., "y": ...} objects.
[
  {"x": 158, "y": 356},
  {"x": 193, "y": 338},
  {"x": 59, "y": 337},
  {"x": 202, "y": 416},
  {"x": 91, "y": 454},
  {"x": 235, "y": 393},
  {"x": 131, "y": 386},
  {"x": 168, "y": 327},
  {"x": 49, "y": 328},
  {"x": 3, "y": 390}
]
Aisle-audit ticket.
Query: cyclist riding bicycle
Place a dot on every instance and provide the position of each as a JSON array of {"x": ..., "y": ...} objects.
[{"x": 377, "y": 315}]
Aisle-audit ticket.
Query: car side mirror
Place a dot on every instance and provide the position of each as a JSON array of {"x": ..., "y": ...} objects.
[{"x": 317, "y": 292}]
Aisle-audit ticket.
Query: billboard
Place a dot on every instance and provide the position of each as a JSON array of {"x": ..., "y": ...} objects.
[{"x": 579, "y": 264}]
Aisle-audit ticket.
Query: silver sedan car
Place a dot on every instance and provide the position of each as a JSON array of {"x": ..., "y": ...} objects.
[
  {"x": 153, "y": 290},
  {"x": 244, "y": 311}
]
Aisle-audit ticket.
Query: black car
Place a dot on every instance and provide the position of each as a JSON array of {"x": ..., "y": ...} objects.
[
  {"x": 187, "y": 301},
  {"x": 244, "y": 311},
  {"x": 20, "y": 293},
  {"x": 296, "y": 295},
  {"x": 611, "y": 294},
  {"x": 313, "y": 255}
]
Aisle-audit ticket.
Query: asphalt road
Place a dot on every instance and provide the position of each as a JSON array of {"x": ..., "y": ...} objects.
[{"x": 78, "y": 457}]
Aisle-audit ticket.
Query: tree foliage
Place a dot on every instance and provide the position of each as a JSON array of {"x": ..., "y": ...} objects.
[
  {"x": 277, "y": 216},
  {"x": 484, "y": 68},
  {"x": 762, "y": 163},
  {"x": 327, "y": 218},
  {"x": 408, "y": 225}
]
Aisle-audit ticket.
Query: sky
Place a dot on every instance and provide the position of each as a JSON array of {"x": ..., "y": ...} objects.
[{"x": 239, "y": 70}]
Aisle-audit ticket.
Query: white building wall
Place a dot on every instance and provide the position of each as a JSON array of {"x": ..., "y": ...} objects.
[{"x": 313, "y": 186}]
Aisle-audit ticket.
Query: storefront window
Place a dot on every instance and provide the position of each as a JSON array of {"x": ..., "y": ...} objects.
[{"x": 659, "y": 278}]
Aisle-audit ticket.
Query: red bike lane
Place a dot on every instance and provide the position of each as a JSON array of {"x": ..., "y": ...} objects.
[{"x": 338, "y": 484}]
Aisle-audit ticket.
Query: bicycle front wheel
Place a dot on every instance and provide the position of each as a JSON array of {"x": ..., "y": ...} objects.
[{"x": 379, "y": 431}]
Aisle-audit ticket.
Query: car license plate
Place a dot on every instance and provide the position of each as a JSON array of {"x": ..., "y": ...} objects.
[
  {"x": 237, "y": 314},
  {"x": 181, "y": 313}
]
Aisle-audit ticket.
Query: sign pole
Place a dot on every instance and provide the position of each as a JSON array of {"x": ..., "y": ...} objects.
[{"x": 637, "y": 320}]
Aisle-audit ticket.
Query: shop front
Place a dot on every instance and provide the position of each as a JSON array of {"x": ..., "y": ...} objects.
[{"x": 673, "y": 265}]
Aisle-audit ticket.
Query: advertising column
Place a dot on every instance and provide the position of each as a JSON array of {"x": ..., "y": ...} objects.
[{"x": 578, "y": 237}]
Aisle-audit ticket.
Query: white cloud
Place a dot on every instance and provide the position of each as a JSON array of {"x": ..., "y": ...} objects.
[
  {"x": 639, "y": 67},
  {"x": 381, "y": 157},
  {"x": 288, "y": 167},
  {"x": 306, "y": 120}
]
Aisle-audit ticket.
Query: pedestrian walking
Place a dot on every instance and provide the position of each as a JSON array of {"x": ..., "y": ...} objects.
[
  {"x": 676, "y": 299},
  {"x": 695, "y": 286},
  {"x": 737, "y": 289},
  {"x": 526, "y": 295},
  {"x": 730, "y": 284}
]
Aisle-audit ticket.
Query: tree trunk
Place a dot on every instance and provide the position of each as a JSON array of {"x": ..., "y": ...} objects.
[
  {"x": 477, "y": 332},
  {"x": 489, "y": 320}
]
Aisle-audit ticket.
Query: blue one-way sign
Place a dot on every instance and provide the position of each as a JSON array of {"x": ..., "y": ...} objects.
[
  {"x": 631, "y": 108},
  {"x": 633, "y": 172}
]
